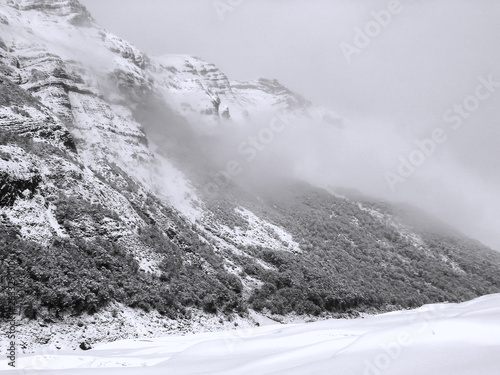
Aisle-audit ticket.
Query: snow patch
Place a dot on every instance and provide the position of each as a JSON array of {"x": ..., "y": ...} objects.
[{"x": 260, "y": 233}]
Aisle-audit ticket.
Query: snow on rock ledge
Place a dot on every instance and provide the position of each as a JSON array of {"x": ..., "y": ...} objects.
[{"x": 259, "y": 233}]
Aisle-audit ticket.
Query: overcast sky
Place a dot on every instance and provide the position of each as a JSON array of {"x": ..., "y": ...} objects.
[{"x": 393, "y": 92}]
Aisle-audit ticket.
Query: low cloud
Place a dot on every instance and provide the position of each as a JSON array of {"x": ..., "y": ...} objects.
[{"x": 395, "y": 92}]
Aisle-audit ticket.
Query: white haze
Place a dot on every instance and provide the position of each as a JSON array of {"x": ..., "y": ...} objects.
[{"x": 392, "y": 94}]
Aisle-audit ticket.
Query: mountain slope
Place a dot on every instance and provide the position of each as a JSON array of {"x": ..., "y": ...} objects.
[{"x": 105, "y": 156}]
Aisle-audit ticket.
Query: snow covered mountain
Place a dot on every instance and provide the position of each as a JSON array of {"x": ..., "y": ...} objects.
[
  {"x": 87, "y": 96},
  {"x": 99, "y": 215}
]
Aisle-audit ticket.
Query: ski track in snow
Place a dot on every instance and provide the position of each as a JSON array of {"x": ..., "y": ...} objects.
[{"x": 455, "y": 339}]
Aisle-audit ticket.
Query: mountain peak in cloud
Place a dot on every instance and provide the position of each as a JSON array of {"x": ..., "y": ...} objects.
[{"x": 74, "y": 12}]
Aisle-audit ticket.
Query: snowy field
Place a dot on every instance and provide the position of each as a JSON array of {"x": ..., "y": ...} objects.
[{"x": 441, "y": 339}]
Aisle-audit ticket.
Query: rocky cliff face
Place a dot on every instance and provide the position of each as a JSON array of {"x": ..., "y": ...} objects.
[
  {"x": 82, "y": 180},
  {"x": 69, "y": 10},
  {"x": 88, "y": 96}
]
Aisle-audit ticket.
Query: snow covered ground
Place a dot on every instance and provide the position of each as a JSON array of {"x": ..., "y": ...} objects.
[{"x": 455, "y": 339}]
